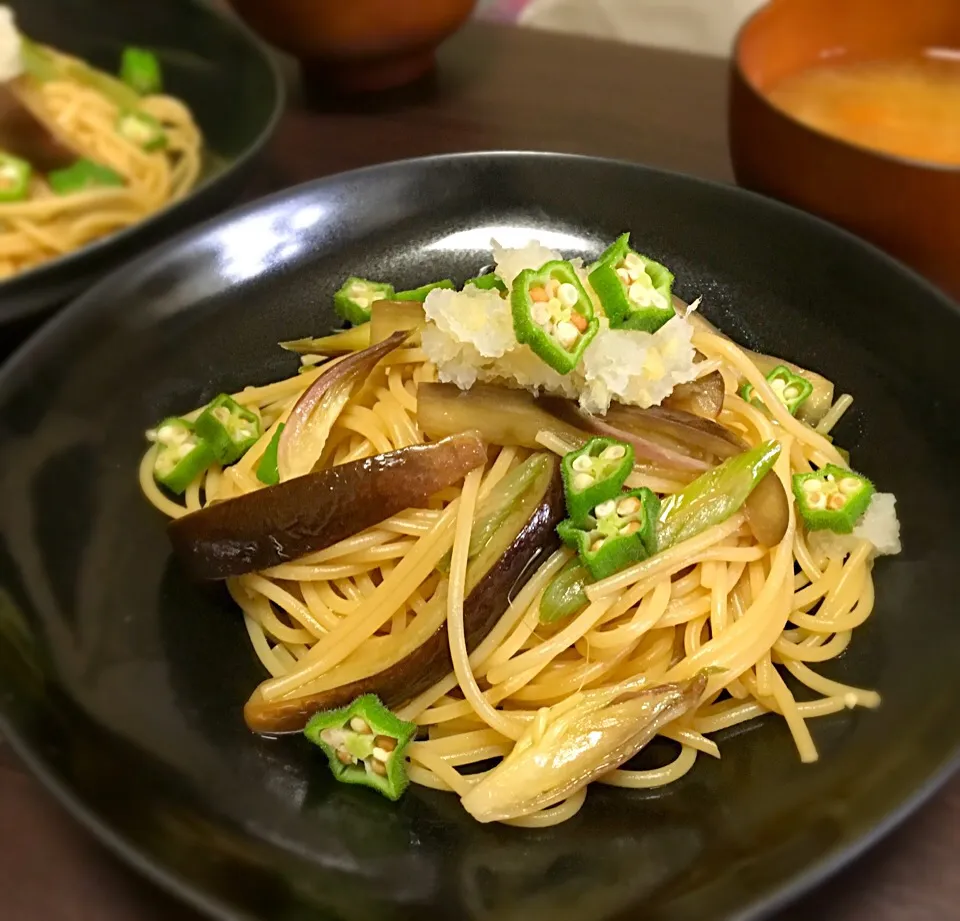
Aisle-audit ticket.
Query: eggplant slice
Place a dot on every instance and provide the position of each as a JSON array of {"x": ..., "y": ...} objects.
[
  {"x": 526, "y": 537},
  {"x": 24, "y": 134},
  {"x": 306, "y": 514},
  {"x": 673, "y": 439}
]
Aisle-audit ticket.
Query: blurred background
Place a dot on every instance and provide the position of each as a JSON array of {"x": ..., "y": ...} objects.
[{"x": 699, "y": 26}]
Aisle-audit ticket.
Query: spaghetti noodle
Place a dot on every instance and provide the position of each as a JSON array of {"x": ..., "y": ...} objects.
[{"x": 718, "y": 604}]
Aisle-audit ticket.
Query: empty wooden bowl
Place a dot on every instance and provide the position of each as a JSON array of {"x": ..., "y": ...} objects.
[
  {"x": 357, "y": 45},
  {"x": 909, "y": 207}
]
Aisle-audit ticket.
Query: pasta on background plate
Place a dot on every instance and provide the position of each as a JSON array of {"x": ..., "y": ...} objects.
[
  {"x": 494, "y": 537},
  {"x": 83, "y": 154}
]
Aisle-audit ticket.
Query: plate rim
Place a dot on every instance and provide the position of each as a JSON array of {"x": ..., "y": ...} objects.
[
  {"x": 242, "y": 210},
  {"x": 803, "y": 882}
]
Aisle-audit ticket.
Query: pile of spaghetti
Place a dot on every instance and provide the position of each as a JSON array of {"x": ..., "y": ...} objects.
[
  {"x": 82, "y": 153},
  {"x": 515, "y": 678}
]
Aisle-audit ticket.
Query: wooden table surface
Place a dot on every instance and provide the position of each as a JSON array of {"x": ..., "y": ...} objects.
[{"x": 505, "y": 88}]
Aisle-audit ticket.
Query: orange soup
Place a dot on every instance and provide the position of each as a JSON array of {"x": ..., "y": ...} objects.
[{"x": 906, "y": 106}]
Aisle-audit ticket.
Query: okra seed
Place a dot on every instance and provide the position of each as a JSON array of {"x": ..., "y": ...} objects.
[
  {"x": 381, "y": 755},
  {"x": 778, "y": 386},
  {"x": 597, "y": 544},
  {"x": 631, "y": 527},
  {"x": 387, "y": 743},
  {"x": 579, "y": 321},
  {"x": 628, "y": 506},
  {"x": 539, "y": 295},
  {"x": 582, "y": 463},
  {"x": 184, "y": 450},
  {"x": 359, "y": 725},
  {"x": 811, "y": 486},
  {"x": 605, "y": 508},
  {"x": 568, "y": 294},
  {"x": 791, "y": 393},
  {"x": 378, "y": 767},
  {"x": 361, "y": 301},
  {"x": 583, "y": 481},
  {"x": 344, "y": 757},
  {"x": 636, "y": 291},
  {"x": 816, "y": 500},
  {"x": 540, "y": 313},
  {"x": 633, "y": 261},
  {"x": 613, "y": 452},
  {"x": 555, "y": 305},
  {"x": 849, "y": 485},
  {"x": 567, "y": 334},
  {"x": 836, "y": 501},
  {"x": 624, "y": 276}
]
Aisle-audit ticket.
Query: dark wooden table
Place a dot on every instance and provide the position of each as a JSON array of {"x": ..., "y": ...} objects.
[{"x": 510, "y": 89}]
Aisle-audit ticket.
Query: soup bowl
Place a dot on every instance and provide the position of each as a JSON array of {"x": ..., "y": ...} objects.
[
  {"x": 360, "y": 45},
  {"x": 909, "y": 207}
]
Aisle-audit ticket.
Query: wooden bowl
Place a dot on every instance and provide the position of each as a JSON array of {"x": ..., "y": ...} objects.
[
  {"x": 908, "y": 207},
  {"x": 357, "y": 45}
]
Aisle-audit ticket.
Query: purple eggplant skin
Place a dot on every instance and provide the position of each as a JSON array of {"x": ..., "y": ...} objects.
[
  {"x": 768, "y": 511},
  {"x": 296, "y": 451},
  {"x": 23, "y": 135},
  {"x": 308, "y": 513},
  {"x": 488, "y": 596},
  {"x": 702, "y": 397}
]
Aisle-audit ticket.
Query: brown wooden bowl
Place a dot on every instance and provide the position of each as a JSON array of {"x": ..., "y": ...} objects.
[
  {"x": 357, "y": 45},
  {"x": 908, "y": 207}
]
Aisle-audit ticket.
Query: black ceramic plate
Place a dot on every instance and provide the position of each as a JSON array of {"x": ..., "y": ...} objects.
[
  {"x": 213, "y": 63},
  {"x": 121, "y": 683}
]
